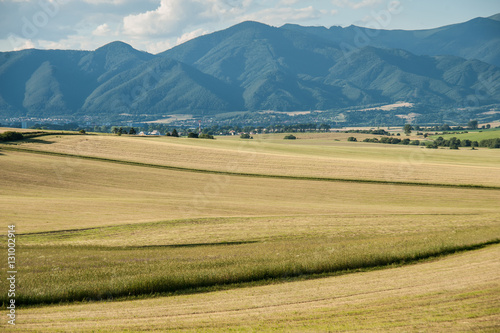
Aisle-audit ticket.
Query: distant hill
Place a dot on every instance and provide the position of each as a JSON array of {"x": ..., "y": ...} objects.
[
  {"x": 253, "y": 66},
  {"x": 296, "y": 69},
  {"x": 478, "y": 39},
  {"x": 45, "y": 83}
]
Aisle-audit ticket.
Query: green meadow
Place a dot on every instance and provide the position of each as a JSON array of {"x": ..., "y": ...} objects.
[{"x": 473, "y": 135}]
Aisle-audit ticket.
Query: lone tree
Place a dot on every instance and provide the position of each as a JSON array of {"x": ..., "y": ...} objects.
[
  {"x": 472, "y": 124},
  {"x": 324, "y": 127},
  {"x": 407, "y": 129},
  {"x": 132, "y": 131},
  {"x": 246, "y": 136},
  {"x": 174, "y": 133}
]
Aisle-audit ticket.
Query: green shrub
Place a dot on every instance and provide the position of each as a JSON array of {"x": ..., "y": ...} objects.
[
  {"x": 206, "y": 136},
  {"x": 11, "y": 136},
  {"x": 351, "y": 138},
  {"x": 246, "y": 136},
  {"x": 490, "y": 143},
  {"x": 290, "y": 137},
  {"x": 395, "y": 141},
  {"x": 431, "y": 145},
  {"x": 375, "y": 140},
  {"x": 193, "y": 135}
]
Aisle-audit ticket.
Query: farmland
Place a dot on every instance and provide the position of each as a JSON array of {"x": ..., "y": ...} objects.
[
  {"x": 458, "y": 293},
  {"x": 126, "y": 224},
  {"x": 312, "y": 155}
]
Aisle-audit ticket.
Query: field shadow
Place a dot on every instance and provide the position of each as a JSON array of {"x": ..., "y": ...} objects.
[
  {"x": 40, "y": 141},
  {"x": 195, "y": 244}
]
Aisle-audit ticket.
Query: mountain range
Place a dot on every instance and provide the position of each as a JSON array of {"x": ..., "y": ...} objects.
[{"x": 252, "y": 66}]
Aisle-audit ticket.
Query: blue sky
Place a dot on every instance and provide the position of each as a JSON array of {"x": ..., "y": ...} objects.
[{"x": 157, "y": 25}]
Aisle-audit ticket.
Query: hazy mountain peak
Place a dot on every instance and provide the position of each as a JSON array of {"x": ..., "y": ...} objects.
[
  {"x": 121, "y": 47},
  {"x": 116, "y": 45},
  {"x": 249, "y": 24}
]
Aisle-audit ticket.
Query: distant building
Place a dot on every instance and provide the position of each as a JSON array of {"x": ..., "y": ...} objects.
[{"x": 27, "y": 124}]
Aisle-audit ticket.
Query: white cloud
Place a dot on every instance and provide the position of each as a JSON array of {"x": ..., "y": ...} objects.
[
  {"x": 154, "y": 47},
  {"x": 356, "y": 4},
  {"x": 108, "y": 2},
  {"x": 102, "y": 30},
  {"x": 173, "y": 16},
  {"x": 190, "y": 35},
  {"x": 28, "y": 44},
  {"x": 280, "y": 16},
  {"x": 189, "y": 19},
  {"x": 162, "y": 45},
  {"x": 73, "y": 42}
]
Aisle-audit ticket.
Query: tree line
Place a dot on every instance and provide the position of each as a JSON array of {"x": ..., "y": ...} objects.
[{"x": 452, "y": 143}]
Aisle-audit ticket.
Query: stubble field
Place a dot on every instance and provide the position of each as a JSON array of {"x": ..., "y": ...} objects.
[{"x": 93, "y": 230}]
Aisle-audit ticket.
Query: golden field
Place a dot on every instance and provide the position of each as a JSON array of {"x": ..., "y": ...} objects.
[
  {"x": 313, "y": 154},
  {"x": 455, "y": 294},
  {"x": 150, "y": 248}
]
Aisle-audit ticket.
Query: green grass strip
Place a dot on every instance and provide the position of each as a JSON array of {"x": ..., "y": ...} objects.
[
  {"x": 244, "y": 174},
  {"x": 163, "y": 287}
]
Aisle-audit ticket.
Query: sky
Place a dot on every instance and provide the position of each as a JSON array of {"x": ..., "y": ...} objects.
[{"x": 157, "y": 25}]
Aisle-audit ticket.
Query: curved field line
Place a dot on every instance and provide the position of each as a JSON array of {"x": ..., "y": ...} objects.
[{"x": 245, "y": 174}]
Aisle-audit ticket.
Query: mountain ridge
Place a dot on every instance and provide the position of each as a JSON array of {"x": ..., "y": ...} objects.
[{"x": 252, "y": 66}]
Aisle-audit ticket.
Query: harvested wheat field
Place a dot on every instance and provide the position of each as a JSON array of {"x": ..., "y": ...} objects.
[{"x": 136, "y": 233}]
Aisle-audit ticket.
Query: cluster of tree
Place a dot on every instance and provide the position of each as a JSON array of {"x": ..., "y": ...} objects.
[
  {"x": 11, "y": 136},
  {"x": 123, "y": 130},
  {"x": 173, "y": 133},
  {"x": 246, "y": 136},
  {"x": 290, "y": 137},
  {"x": 393, "y": 141},
  {"x": 200, "y": 136},
  {"x": 72, "y": 126},
  {"x": 490, "y": 143},
  {"x": 473, "y": 124},
  {"x": 376, "y": 132},
  {"x": 292, "y": 128},
  {"x": 455, "y": 143},
  {"x": 250, "y": 125}
]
